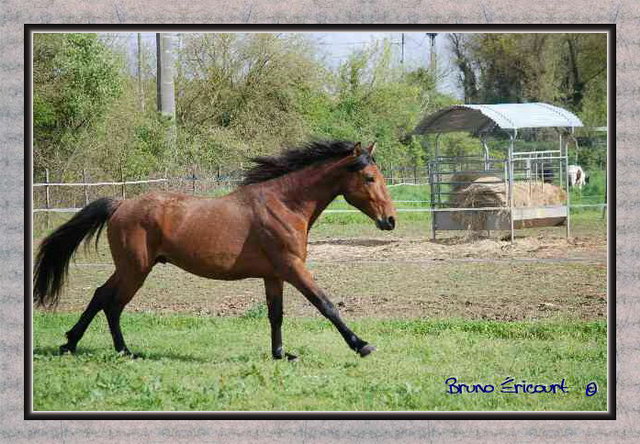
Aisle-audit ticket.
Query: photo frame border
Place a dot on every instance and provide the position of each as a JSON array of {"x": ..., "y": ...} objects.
[{"x": 610, "y": 414}]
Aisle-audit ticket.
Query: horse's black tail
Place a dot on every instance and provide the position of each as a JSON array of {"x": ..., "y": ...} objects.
[{"x": 52, "y": 261}]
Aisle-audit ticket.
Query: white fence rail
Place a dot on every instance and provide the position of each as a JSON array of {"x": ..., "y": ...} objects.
[
  {"x": 399, "y": 210},
  {"x": 124, "y": 183},
  {"x": 96, "y": 184}
]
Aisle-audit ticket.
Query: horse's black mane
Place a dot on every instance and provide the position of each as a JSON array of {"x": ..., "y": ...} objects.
[{"x": 293, "y": 159}]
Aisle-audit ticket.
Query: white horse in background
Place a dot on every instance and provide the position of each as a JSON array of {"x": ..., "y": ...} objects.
[{"x": 577, "y": 177}]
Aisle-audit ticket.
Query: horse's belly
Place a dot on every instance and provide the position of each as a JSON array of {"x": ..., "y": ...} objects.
[
  {"x": 218, "y": 257},
  {"x": 225, "y": 266}
]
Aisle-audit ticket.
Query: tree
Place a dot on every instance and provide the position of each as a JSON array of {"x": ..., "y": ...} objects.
[
  {"x": 75, "y": 79},
  {"x": 371, "y": 99},
  {"x": 583, "y": 73},
  {"x": 240, "y": 95},
  {"x": 565, "y": 69},
  {"x": 462, "y": 59}
]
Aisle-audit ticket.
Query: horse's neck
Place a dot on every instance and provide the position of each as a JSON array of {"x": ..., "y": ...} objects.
[{"x": 310, "y": 190}]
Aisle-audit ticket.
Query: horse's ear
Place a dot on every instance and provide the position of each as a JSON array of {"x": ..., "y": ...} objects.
[
  {"x": 371, "y": 149},
  {"x": 357, "y": 149}
]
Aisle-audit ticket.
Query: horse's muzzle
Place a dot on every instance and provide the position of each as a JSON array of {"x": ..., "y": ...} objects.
[{"x": 387, "y": 223}]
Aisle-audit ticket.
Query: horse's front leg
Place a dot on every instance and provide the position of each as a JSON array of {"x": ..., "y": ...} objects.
[
  {"x": 274, "y": 288},
  {"x": 297, "y": 275}
]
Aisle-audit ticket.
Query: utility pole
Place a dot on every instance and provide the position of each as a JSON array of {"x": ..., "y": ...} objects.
[
  {"x": 432, "y": 58},
  {"x": 166, "y": 89},
  {"x": 165, "y": 85},
  {"x": 140, "y": 87},
  {"x": 402, "y": 50}
]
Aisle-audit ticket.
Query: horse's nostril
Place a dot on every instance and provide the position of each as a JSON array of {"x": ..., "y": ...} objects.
[{"x": 392, "y": 221}]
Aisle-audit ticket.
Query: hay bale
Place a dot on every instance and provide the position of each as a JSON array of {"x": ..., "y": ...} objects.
[
  {"x": 537, "y": 194},
  {"x": 483, "y": 191},
  {"x": 463, "y": 180}
]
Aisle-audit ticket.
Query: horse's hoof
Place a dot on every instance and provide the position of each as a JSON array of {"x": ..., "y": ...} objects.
[
  {"x": 126, "y": 353},
  {"x": 67, "y": 349},
  {"x": 291, "y": 358},
  {"x": 366, "y": 350}
]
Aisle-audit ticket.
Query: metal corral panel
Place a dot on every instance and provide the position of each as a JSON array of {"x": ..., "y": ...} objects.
[
  {"x": 494, "y": 220},
  {"x": 474, "y": 118},
  {"x": 524, "y": 213}
]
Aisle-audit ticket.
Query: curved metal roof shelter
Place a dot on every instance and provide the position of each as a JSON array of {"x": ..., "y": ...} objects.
[{"x": 513, "y": 116}]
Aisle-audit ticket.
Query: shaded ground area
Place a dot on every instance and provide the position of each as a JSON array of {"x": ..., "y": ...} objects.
[{"x": 537, "y": 277}]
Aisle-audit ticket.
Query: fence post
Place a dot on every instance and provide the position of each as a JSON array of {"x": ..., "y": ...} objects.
[
  {"x": 166, "y": 179},
  {"x": 86, "y": 188},
  {"x": 415, "y": 174},
  {"x": 193, "y": 180},
  {"x": 47, "y": 197},
  {"x": 124, "y": 186}
]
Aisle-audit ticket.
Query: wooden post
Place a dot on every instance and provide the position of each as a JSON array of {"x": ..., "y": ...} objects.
[
  {"x": 415, "y": 174},
  {"x": 124, "y": 187},
  {"x": 166, "y": 179},
  {"x": 86, "y": 188},
  {"x": 47, "y": 197},
  {"x": 193, "y": 180}
]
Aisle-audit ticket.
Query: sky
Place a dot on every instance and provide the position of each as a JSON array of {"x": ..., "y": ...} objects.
[{"x": 336, "y": 47}]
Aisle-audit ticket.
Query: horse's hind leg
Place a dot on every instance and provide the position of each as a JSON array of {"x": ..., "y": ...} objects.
[
  {"x": 111, "y": 297},
  {"x": 101, "y": 296},
  {"x": 274, "y": 289},
  {"x": 127, "y": 287},
  {"x": 131, "y": 254}
]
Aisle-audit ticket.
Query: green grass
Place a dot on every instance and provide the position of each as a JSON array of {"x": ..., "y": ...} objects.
[
  {"x": 591, "y": 193},
  {"x": 222, "y": 364}
]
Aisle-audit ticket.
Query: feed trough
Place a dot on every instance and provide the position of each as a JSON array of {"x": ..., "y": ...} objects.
[{"x": 525, "y": 185}]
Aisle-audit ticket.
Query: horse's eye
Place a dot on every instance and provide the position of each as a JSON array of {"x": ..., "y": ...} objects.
[{"x": 369, "y": 178}]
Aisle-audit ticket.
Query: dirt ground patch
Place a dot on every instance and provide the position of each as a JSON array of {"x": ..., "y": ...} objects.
[
  {"x": 385, "y": 277},
  {"x": 419, "y": 250}
]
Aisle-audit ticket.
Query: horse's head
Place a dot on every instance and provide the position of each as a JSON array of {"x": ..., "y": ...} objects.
[{"x": 364, "y": 188}]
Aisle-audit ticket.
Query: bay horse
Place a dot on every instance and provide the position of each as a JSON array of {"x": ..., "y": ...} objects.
[{"x": 260, "y": 230}]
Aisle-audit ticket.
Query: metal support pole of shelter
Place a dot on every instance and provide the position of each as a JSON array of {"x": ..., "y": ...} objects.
[
  {"x": 510, "y": 169},
  {"x": 566, "y": 174},
  {"x": 431, "y": 201},
  {"x": 434, "y": 177},
  {"x": 561, "y": 164},
  {"x": 487, "y": 165}
]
